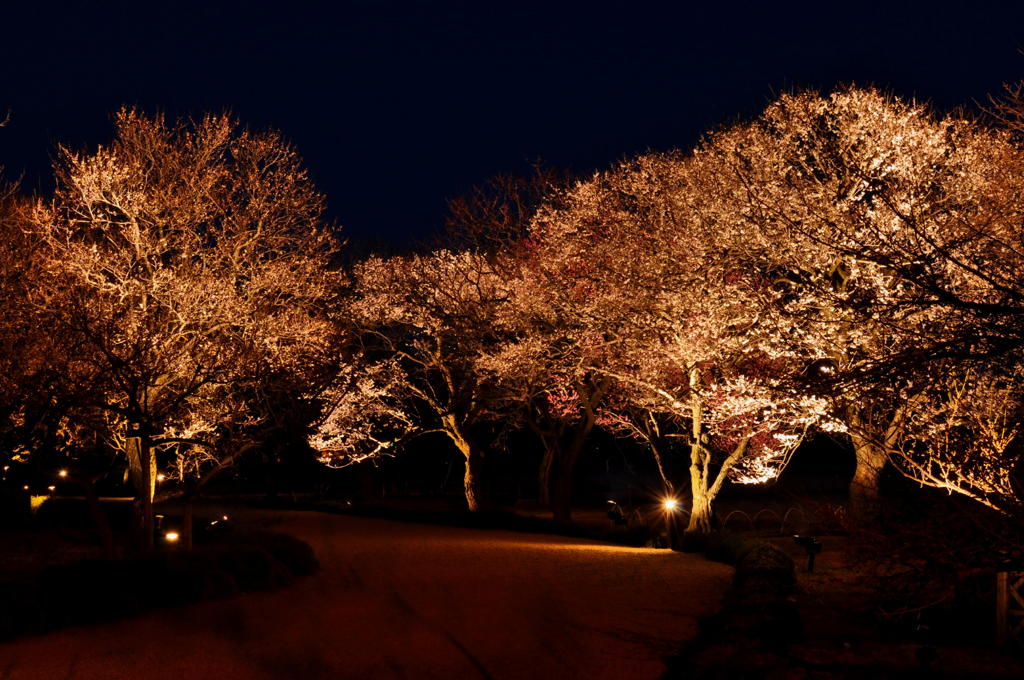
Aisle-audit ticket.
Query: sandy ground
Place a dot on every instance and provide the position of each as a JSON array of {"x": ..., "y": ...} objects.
[{"x": 397, "y": 600}]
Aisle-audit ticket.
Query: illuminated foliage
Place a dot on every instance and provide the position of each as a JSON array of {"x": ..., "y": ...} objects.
[
  {"x": 897, "y": 257},
  {"x": 418, "y": 324},
  {"x": 188, "y": 262},
  {"x": 663, "y": 302}
]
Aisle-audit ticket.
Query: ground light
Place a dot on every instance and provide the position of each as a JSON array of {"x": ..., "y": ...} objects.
[
  {"x": 171, "y": 537},
  {"x": 670, "y": 505}
]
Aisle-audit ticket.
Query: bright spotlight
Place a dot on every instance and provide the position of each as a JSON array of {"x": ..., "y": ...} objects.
[{"x": 670, "y": 504}]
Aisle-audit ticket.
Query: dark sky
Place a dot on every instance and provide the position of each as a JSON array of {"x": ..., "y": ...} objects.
[{"x": 397, "y": 107}]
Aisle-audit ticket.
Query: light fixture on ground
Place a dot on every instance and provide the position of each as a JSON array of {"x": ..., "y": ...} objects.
[{"x": 670, "y": 505}]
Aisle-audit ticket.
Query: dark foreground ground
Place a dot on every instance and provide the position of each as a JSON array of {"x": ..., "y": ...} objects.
[{"x": 397, "y": 600}]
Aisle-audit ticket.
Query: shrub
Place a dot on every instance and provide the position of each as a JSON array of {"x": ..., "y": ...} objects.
[
  {"x": 296, "y": 555},
  {"x": 101, "y": 590},
  {"x": 20, "y": 609},
  {"x": 251, "y": 567}
]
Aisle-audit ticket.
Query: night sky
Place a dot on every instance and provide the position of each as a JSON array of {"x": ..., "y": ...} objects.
[{"x": 397, "y": 107}]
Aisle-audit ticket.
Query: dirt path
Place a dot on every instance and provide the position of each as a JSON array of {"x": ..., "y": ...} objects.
[{"x": 398, "y": 600}]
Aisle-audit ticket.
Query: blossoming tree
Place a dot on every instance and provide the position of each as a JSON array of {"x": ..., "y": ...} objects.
[
  {"x": 191, "y": 257},
  {"x": 663, "y": 302},
  {"x": 896, "y": 232},
  {"x": 417, "y": 325}
]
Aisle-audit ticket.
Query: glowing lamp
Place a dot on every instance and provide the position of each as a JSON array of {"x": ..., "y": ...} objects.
[
  {"x": 171, "y": 536},
  {"x": 160, "y": 476},
  {"x": 670, "y": 504},
  {"x": 62, "y": 473},
  {"x": 52, "y": 488}
]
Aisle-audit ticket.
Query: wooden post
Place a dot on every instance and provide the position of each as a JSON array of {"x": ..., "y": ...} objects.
[{"x": 1002, "y": 605}]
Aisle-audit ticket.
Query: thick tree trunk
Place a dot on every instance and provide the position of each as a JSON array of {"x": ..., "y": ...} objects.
[
  {"x": 865, "y": 498},
  {"x": 700, "y": 467},
  {"x": 700, "y": 513},
  {"x": 142, "y": 468}
]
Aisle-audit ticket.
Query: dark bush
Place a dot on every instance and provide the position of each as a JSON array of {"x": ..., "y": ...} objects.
[
  {"x": 92, "y": 590},
  {"x": 102, "y": 590},
  {"x": 297, "y": 556},
  {"x": 196, "y": 577},
  {"x": 250, "y": 566},
  {"x": 765, "y": 561},
  {"x": 729, "y": 548},
  {"x": 20, "y": 609},
  {"x": 697, "y": 541}
]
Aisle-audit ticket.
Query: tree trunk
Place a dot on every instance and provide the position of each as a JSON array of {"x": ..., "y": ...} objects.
[
  {"x": 656, "y": 452},
  {"x": 561, "y": 493},
  {"x": 700, "y": 514},
  {"x": 563, "y": 467},
  {"x": 700, "y": 466},
  {"x": 473, "y": 461},
  {"x": 865, "y": 498},
  {"x": 142, "y": 468},
  {"x": 99, "y": 517},
  {"x": 546, "y": 473},
  {"x": 471, "y": 480}
]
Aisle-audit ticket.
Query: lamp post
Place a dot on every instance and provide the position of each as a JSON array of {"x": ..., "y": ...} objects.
[{"x": 670, "y": 505}]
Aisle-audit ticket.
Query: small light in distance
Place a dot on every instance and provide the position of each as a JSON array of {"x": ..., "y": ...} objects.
[
  {"x": 670, "y": 504},
  {"x": 25, "y": 487},
  {"x": 52, "y": 488},
  {"x": 62, "y": 473},
  {"x": 225, "y": 518},
  {"x": 160, "y": 476},
  {"x": 171, "y": 536}
]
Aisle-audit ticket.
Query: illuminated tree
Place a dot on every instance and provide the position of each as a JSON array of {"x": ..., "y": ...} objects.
[
  {"x": 897, "y": 237},
  {"x": 541, "y": 383},
  {"x": 649, "y": 295},
  {"x": 418, "y": 324},
  {"x": 543, "y": 367},
  {"x": 190, "y": 259},
  {"x": 34, "y": 390},
  {"x": 962, "y": 433}
]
